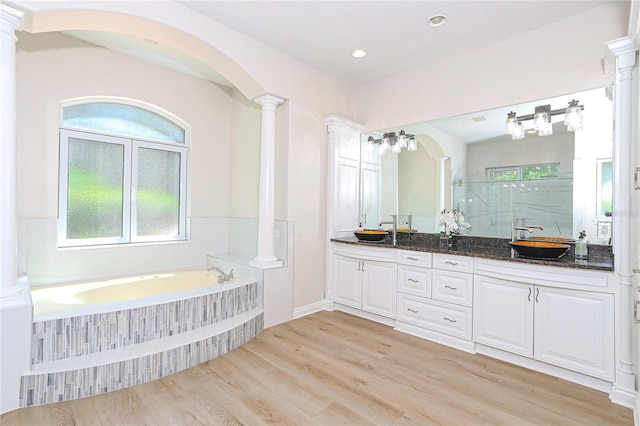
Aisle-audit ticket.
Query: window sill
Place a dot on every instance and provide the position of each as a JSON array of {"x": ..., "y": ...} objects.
[{"x": 112, "y": 246}]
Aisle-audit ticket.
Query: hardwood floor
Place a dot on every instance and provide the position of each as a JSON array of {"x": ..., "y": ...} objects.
[{"x": 332, "y": 368}]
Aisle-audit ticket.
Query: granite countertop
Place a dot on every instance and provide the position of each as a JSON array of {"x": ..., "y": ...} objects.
[{"x": 600, "y": 256}]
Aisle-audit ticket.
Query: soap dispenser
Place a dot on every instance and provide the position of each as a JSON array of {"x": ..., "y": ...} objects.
[{"x": 582, "y": 252}]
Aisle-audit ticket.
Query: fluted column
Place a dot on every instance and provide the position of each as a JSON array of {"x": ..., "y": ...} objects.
[
  {"x": 266, "y": 203},
  {"x": 624, "y": 62},
  {"x": 10, "y": 22}
]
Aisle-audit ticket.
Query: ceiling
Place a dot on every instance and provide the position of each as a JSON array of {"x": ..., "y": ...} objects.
[{"x": 323, "y": 34}]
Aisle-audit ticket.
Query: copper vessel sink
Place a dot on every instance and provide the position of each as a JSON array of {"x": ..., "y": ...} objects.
[
  {"x": 371, "y": 235},
  {"x": 539, "y": 249}
]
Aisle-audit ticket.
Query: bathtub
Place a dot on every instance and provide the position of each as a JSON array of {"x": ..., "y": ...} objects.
[
  {"x": 91, "y": 297},
  {"x": 94, "y": 337}
]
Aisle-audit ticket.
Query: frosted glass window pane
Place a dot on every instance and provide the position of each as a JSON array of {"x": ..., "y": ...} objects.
[
  {"x": 95, "y": 189},
  {"x": 122, "y": 119},
  {"x": 158, "y": 211}
]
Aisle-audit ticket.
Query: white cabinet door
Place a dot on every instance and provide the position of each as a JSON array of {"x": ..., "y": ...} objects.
[
  {"x": 346, "y": 203},
  {"x": 503, "y": 315},
  {"x": 347, "y": 273},
  {"x": 370, "y": 205},
  {"x": 575, "y": 329},
  {"x": 379, "y": 288}
]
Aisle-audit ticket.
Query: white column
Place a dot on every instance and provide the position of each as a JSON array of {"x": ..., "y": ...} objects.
[
  {"x": 15, "y": 307},
  {"x": 266, "y": 203},
  {"x": 624, "y": 51},
  {"x": 10, "y": 22}
]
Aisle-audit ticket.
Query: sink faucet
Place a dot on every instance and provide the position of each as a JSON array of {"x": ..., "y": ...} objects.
[
  {"x": 519, "y": 228},
  {"x": 222, "y": 277},
  {"x": 393, "y": 222}
]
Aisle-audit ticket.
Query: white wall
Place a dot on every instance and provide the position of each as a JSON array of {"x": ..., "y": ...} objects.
[
  {"x": 75, "y": 69},
  {"x": 245, "y": 157}
]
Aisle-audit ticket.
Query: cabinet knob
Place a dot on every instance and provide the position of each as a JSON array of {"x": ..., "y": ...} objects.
[
  {"x": 412, "y": 280},
  {"x": 450, "y": 320},
  {"x": 450, "y": 288},
  {"x": 412, "y": 258},
  {"x": 411, "y": 310},
  {"x": 451, "y": 263}
]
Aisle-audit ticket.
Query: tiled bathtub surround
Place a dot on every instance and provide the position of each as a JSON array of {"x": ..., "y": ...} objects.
[
  {"x": 82, "y": 335},
  {"x": 66, "y": 385}
]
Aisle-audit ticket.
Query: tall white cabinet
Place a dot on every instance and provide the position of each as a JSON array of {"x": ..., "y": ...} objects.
[{"x": 354, "y": 179}]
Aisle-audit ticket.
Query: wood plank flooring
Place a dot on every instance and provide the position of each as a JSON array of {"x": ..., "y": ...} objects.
[{"x": 331, "y": 368}]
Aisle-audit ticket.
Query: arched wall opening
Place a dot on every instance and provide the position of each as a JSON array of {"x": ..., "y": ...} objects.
[{"x": 176, "y": 38}]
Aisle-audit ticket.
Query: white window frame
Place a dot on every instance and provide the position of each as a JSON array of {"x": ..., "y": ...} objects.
[
  {"x": 134, "y": 185},
  {"x": 131, "y": 146}
]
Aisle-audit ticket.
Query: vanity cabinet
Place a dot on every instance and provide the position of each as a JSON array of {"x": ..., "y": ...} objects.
[
  {"x": 569, "y": 327},
  {"x": 441, "y": 308},
  {"x": 365, "y": 280}
]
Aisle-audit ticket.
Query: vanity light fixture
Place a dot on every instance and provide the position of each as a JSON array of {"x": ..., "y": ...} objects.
[
  {"x": 573, "y": 116},
  {"x": 542, "y": 120},
  {"x": 394, "y": 143}
]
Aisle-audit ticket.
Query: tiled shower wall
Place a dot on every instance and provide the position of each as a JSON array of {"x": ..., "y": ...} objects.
[{"x": 76, "y": 336}]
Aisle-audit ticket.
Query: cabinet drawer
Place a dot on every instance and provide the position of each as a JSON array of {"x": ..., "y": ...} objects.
[
  {"x": 414, "y": 258},
  {"x": 452, "y": 287},
  {"x": 436, "y": 316},
  {"x": 412, "y": 280},
  {"x": 452, "y": 262}
]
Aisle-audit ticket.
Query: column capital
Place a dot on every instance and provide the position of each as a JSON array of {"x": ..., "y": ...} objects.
[
  {"x": 268, "y": 100},
  {"x": 11, "y": 16}
]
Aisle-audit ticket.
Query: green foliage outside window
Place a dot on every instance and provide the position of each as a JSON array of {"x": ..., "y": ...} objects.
[{"x": 533, "y": 172}]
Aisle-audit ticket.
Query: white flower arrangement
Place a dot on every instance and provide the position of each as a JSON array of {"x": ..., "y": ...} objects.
[{"x": 452, "y": 222}]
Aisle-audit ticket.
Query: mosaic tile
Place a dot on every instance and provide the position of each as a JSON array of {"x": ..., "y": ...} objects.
[
  {"x": 82, "y": 335},
  {"x": 67, "y": 385}
]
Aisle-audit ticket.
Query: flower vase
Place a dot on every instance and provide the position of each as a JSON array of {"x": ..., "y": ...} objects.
[{"x": 446, "y": 241}]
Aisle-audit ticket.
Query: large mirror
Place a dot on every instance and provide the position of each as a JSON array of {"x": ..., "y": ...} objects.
[{"x": 561, "y": 182}]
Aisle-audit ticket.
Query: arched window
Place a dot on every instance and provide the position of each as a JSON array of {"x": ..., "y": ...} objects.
[{"x": 122, "y": 174}]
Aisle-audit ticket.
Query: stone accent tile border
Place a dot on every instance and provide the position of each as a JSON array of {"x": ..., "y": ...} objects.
[
  {"x": 53, "y": 340},
  {"x": 67, "y": 385}
]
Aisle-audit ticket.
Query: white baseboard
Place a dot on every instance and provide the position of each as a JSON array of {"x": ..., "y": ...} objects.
[
  {"x": 442, "y": 339},
  {"x": 624, "y": 397},
  {"x": 552, "y": 370},
  {"x": 303, "y": 311}
]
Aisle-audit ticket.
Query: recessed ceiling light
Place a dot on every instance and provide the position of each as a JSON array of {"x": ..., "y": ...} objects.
[
  {"x": 437, "y": 20},
  {"x": 359, "y": 53}
]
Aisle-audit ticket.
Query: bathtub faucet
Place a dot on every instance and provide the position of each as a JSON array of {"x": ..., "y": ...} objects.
[{"x": 222, "y": 277}]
